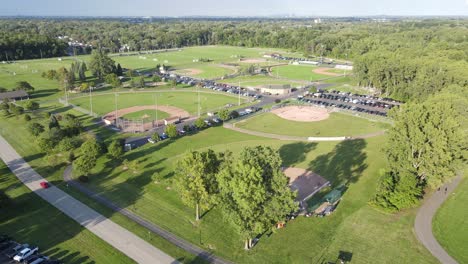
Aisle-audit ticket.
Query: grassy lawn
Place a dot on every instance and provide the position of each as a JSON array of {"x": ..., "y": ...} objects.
[
  {"x": 147, "y": 115},
  {"x": 337, "y": 124},
  {"x": 450, "y": 224},
  {"x": 258, "y": 80},
  {"x": 29, "y": 219},
  {"x": 298, "y": 72},
  {"x": 103, "y": 104}
]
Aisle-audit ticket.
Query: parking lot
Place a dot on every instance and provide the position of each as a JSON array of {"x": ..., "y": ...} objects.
[
  {"x": 14, "y": 252},
  {"x": 354, "y": 102}
]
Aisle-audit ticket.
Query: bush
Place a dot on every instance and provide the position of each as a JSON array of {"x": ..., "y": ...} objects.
[
  {"x": 27, "y": 118},
  {"x": 83, "y": 179},
  {"x": 277, "y": 101}
]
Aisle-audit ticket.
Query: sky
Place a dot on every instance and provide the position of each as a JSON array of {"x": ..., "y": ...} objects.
[{"x": 233, "y": 7}]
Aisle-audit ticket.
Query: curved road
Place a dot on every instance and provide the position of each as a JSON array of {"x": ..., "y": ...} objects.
[
  {"x": 187, "y": 246},
  {"x": 117, "y": 236},
  {"x": 423, "y": 222}
]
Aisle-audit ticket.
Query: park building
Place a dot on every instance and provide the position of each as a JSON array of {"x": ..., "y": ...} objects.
[
  {"x": 276, "y": 89},
  {"x": 14, "y": 96}
]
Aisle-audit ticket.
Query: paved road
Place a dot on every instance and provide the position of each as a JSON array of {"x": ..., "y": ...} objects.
[
  {"x": 118, "y": 237},
  {"x": 67, "y": 175},
  {"x": 423, "y": 222}
]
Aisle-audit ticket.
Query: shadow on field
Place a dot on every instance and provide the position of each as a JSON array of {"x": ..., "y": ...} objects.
[
  {"x": 44, "y": 93},
  {"x": 295, "y": 152},
  {"x": 28, "y": 219},
  {"x": 344, "y": 164}
]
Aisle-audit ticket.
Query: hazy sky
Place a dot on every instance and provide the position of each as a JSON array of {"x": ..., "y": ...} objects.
[{"x": 232, "y": 7}]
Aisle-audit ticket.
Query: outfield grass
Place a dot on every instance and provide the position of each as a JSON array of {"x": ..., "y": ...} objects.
[
  {"x": 207, "y": 71},
  {"x": 298, "y": 72},
  {"x": 337, "y": 124},
  {"x": 259, "y": 80},
  {"x": 29, "y": 219},
  {"x": 450, "y": 224},
  {"x": 187, "y": 100},
  {"x": 147, "y": 115}
]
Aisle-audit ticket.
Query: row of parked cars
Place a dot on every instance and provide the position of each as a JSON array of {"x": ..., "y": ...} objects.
[
  {"x": 12, "y": 251},
  {"x": 322, "y": 103},
  {"x": 366, "y": 96},
  {"x": 222, "y": 87},
  {"x": 355, "y": 100}
]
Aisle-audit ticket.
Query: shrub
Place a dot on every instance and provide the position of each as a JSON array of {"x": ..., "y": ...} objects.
[
  {"x": 27, "y": 118},
  {"x": 83, "y": 179},
  {"x": 277, "y": 101}
]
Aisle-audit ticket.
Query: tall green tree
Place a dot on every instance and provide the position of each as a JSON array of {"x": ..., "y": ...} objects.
[
  {"x": 113, "y": 80},
  {"x": 82, "y": 68},
  {"x": 224, "y": 114},
  {"x": 115, "y": 150},
  {"x": 197, "y": 181},
  {"x": 35, "y": 129},
  {"x": 171, "y": 130},
  {"x": 101, "y": 64},
  {"x": 89, "y": 153},
  {"x": 254, "y": 192},
  {"x": 31, "y": 105}
]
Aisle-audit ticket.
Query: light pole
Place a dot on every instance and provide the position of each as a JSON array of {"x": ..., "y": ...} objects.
[
  {"x": 91, "y": 100},
  {"x": 198, "y": 91},
  {"x": 239, "y": 92},
  {"x": 156, "y": 109},
  {"x": 115, "y": 112}
]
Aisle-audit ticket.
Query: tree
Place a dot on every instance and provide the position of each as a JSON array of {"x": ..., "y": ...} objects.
[
  {"x": 224, "y": 114},
  {"x": 119, "y": 70},
  {"x": 53, "y": 122},
  {"x": 71, "y": 125},
  {"x": 2, "y": 90},
  {"x": 100, "y": 64},
  {"x": 69, "y": 143},
  {"x": 36, "y": 129},
  {"x": 156, "y": 78},
  {"x": 171, "y": 130},
  {"x": 155, "y": 137},
  {"x": 426, "y": 144},
  {"x": 5, "y": 106},
  {"x": 141, "y": 82},
  {"x": 31, "y": 105},
  {"x": 89, "y": 152},
  {"x": 65, "y": 78},
  {"x": 200, "y": 123},
  {"x": 23, "y": 85},
  {"x": 254, "y": 192},
  {"x": 82, "y": 68},
  {"x": 16, "y": 110},
  {"x": 197, "y": 181},
  {"x": 113, "y": 80},
  {"x": 115, "y": 149},
  {"x": 84, "y": 86}
]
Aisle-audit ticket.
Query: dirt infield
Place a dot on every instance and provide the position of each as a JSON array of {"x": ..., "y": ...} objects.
[
  {"x": 302, "y": 113},
  {"x": 325, "y": 71},
  {"x": 306, "y": 183},
  {"x": 174, "y": 114},
  {"x": 189, "y": 71},
  {"x": 252, "y": 60}
]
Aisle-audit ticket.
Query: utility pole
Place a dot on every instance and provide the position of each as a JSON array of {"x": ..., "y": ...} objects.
[
  {"x": 239, "y": 92},
  {"x": 91, "y": 100},
  {"x": 156, "y": 109},
  {"x": 115, "y": 112},
  {"x": 198, "y": 90}
]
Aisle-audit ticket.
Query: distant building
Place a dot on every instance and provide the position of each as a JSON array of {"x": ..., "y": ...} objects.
[
  {"x": 275, "y": 89},
  {"x": 14, "y": 95}
]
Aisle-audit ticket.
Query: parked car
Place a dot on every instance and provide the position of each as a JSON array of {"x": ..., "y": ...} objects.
[
  {"x": 152, "y": 141},
  {"x": 31, "y": 258},
  {"x": 26, "y": 252},
  {"x": 13, "y": 251},
  {"x": 41, "y": 259},
  {"x": 163, "y": 136},
  {"x": 207, "y": 122},
  {"x": 181, "y": 132},
  {"x": 216, "y": 120},
  {"x": 44, "y": 185}
]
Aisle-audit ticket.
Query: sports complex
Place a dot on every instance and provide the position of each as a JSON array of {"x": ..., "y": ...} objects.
[{"x": 330, "y": 142}]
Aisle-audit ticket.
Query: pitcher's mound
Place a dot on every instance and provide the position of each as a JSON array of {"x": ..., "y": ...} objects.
[{"x": 302, "y": 113}]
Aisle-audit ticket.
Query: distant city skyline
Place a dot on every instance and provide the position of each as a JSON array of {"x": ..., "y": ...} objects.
[{"x": 241, "y": 8}]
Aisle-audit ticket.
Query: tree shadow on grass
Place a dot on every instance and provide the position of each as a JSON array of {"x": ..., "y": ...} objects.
[
  {"x": 295, "y": 152},
  {"x": 44, "y": 93},
  {"x": 344, "y": 164}
]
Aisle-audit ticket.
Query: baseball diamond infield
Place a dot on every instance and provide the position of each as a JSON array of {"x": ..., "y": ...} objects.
[
  {"x": 325, "y": 71},
  {"x": 306, "y": 183},
  {"x": 302, "y": 113},
  {"x": 175, "y": 113}
]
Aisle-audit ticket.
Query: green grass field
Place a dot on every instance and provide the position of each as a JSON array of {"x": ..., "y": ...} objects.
[
  {"x": 147, "y": 115},
  {"x": 355, "y": 227},
  {"x": 187, "y": 100},
  {"x": 29, "y": 219},
  {"x": 450, "y": 224},
  {"x": 337, "y": 124},
  {"x": 297, "y": 72}
]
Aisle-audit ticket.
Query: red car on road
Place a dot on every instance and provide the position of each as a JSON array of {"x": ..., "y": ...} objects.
[{"x": 44, "y": 185}]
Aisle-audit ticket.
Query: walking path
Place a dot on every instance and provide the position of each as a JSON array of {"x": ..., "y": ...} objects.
[
  {"x": 67, "y": 176},
  {"x": 118, "y": 237},
  {"x": 295, "y": 138},
  {"x": 423, "y": 222}
]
